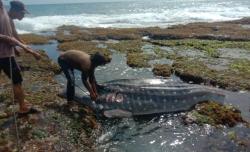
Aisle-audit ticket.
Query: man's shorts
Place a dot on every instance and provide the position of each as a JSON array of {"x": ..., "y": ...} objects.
[{"x": 16, "y": 72}]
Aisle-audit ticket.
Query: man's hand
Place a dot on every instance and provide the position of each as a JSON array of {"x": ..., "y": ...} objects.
[
  {"x": 34, "y": 53},
  {"x": 37, "y": 55}
]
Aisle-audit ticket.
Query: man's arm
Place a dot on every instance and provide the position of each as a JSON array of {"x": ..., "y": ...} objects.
[
  {"x": 14, "y": 41},
  {"x": 8, "y": 39},
  {"x": 88, "y": 86},
  {"x": 93, "y": 82},
  {"x": 29, "y": 50},
  {"x": 25, "y": 47},
  {"x": 14, "y": 32}
]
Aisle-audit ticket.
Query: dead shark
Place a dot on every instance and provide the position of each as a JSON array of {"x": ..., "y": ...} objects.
[{"x": 136, "y": 97}]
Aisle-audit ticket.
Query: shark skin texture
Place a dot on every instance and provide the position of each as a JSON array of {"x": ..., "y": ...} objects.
[{"x": 138, "y": 97}]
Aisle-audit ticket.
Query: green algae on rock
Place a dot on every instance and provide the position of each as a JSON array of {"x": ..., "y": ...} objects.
[
  {"x": 163, "y": 70},
  {"x": 241, "y": 66},
  {"x": 138, "y": 60},
  {"x": 86, "y": 46},
  {"x": 34, "y": 39},
  {"x": 73, "y": 33},
  {"x": 128, "y": 46},
  {"x": 194, "y": 70},
  {"x": 65, "y": 33},
  {"x": 215, "y": 114},
  {"x": 232, "y": 30},
  {"x": 210, "y": 47}
]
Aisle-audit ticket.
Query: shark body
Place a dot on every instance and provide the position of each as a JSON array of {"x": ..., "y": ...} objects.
[{"x": 135, "y": 97}]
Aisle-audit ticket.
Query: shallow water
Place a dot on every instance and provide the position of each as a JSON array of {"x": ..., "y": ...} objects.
[
  {"x": 160, "y": 133},
  {"x": 166, "y": 133}
]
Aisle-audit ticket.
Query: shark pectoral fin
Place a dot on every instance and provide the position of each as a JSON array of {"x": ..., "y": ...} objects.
[{"x": 117, "y": 113}]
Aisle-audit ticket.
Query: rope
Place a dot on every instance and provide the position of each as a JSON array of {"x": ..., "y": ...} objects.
[
  {"x": 84, "y": 91},
  {"x": 13, "y": 111}
]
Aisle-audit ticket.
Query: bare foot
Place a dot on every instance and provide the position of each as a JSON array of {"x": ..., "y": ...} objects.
[{"x": 25, "y": 107}]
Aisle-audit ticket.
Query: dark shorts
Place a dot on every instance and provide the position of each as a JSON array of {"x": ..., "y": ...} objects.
[
  {"x": 16, "y": 72},
  {"x": 69, "y": 74}
]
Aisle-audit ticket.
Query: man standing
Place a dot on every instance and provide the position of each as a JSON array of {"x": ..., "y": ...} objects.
[
  {"x": 17, "y": 11},
  {"x": 8, "y": 63}
]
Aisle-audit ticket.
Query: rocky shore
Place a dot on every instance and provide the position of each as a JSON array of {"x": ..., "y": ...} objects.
[{"x": 216, "y": 54}]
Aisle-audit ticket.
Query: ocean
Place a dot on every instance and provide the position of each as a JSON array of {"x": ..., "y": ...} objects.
[{"x": 127, "y": 14}]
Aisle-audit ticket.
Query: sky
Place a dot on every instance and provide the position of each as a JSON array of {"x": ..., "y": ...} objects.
[{"x": 60, "y": 1}]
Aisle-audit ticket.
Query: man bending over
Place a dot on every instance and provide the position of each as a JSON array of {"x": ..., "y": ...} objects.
[{"x": 74, "y": 59}]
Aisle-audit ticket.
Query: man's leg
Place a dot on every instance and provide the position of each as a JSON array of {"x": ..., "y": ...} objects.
[
  {"x": 19, "y": 97},
  {"x": 70, "y": 84},
  {"x": 13, "y": 71},
  {"x": 69, "y": 74}
]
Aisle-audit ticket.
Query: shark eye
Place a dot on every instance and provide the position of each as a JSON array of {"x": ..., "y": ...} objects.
[{"x": 119, "y": 98}]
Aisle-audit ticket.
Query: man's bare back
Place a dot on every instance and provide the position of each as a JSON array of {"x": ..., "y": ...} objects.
[{"x": 77, "y": 59}]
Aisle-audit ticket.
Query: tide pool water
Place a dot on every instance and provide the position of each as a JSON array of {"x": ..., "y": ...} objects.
[{"x": 131, "y": 13}]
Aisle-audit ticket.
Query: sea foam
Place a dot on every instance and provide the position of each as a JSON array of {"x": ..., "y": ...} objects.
[{"x": 136, "y": 18}]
